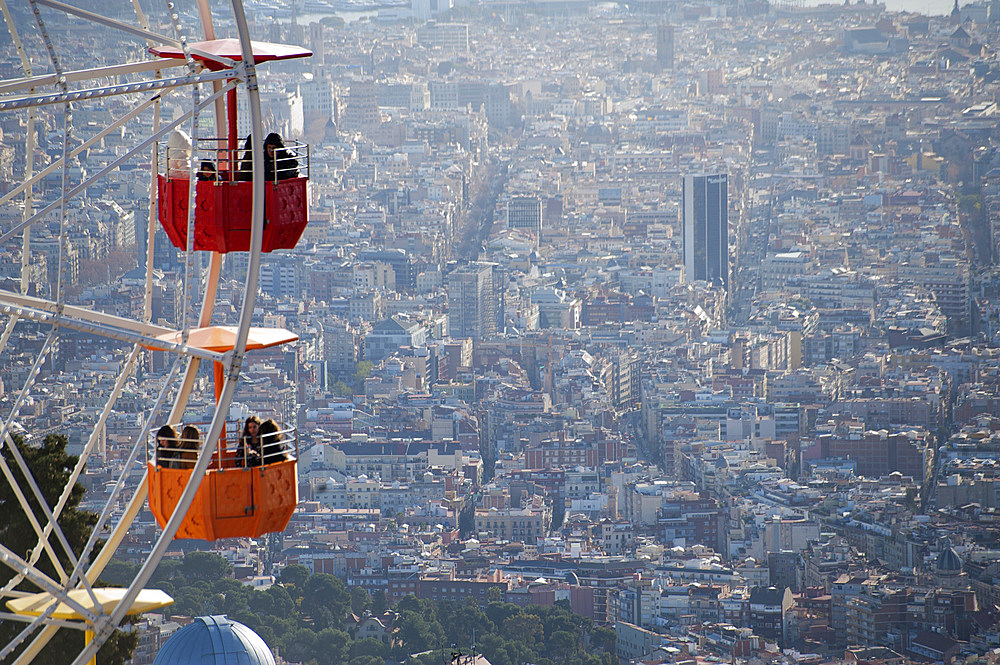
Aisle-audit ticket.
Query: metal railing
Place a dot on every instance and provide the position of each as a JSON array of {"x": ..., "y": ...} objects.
[
  {"x": 260, "y": 451},
  {"x": 213, "y": 163}
]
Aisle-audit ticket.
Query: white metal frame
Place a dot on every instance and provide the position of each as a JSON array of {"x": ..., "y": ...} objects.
[{"x": 58, "y": 314}]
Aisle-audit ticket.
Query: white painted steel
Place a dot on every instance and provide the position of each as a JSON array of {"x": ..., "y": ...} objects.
[{"x": 84, "y": 567}]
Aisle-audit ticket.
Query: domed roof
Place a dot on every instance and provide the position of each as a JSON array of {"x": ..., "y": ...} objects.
[
  {"x": 571, "y": 578},
  {"x": 214, "y": 639},
  {"x": 948, "y": 561}
]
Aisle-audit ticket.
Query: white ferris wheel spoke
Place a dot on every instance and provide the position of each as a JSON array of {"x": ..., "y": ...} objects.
[
  {"x": 143, "y": 145},
  {"x": 28, "y": 93},
  {"x": 99, "y": 323},
  {"x": 120, "y": 122},
  {"x": 85, "y": 94},
  {"x": 109, "y": 22},
  {"x": 16, "y": 85},
  {"x": 6, "y": 440},
  {"x": 36, "y": 552}
]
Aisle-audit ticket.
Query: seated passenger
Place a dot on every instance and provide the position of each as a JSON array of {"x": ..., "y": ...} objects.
[
  {"x": 179, "y": 155},
  {"x": 166, "y": 447},
  {"x": 271, "y": 442},
  {"x": 207, "y": 172},
  {"x": 248, "y": 451},
  {"x": 189, "y": 444},
  {"x": 279, "y": 163}
]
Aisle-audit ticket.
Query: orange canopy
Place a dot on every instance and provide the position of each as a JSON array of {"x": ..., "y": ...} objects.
[
  {"x": 230, "y": 48},
  {"x": 223, "y": 338}
]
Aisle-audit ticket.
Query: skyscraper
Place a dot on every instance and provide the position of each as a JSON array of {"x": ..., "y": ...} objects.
[
  {"x": 474, "y": 301},
  {"x": 525, "y": 212},
  {"x": 361, "y": 114},
  {"x": 665, "y": 46},
  {"x": 705, "y": 226}
]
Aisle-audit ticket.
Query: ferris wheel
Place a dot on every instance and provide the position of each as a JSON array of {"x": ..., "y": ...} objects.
[{"x": 111, "y": 98}]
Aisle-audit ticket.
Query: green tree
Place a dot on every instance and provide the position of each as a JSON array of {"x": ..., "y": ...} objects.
[
  {"x": 604, "y": 638},
  {"x": 360, "y": 601},
  {"x": 326, "y": 600},
  {"x": 362, "y": 371},
  {"x": 331, "y": 646},
  {"x": 51, "y": 467},
  {"x": 368, "y": 646},
  {"x": 366, "y": 660},
  {"x": 294, "y": 578},
  {"x": 464, "y": 622},
  {"x": 562, "y": 645},
  {"x": 527, "y": 628},
  {"x": 283, "y": 603},
  {"x": 170, "y": 571},
  {"x": 341, "y": 389},
  {"x": 417, "y": 632},
  {"x": 190, "y": 601},
  {"x": 206, "y": 566},
  {"x": 380, "y": 602},
  {"x": 119, "y": 573},
  {"x": 499, "y": 612},
  {"x": 297, "y": 646}
]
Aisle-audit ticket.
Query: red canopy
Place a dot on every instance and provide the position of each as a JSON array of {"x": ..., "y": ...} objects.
[{"x": 230, "y": 48}]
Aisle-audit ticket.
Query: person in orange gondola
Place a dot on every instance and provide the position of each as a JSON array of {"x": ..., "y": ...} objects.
[
  {"x": 166, "y": 447},
  {"x": 248, "y": 452},
  {"x": 271, "y": 442},
  {"x": 189, "y": 444}
]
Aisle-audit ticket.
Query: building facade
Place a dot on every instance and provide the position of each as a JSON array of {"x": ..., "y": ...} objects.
[
  {"x": 473, "y": 302},
  {"x": 525, "y": 212},
  {"x": 705, "y": 225}
]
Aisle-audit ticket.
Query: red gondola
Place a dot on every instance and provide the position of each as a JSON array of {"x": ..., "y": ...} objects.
[
  {"x": 223, "y": 211},
  {"x": 224, "y": 203}
]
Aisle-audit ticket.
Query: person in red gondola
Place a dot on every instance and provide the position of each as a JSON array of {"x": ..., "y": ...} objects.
[
  {"x": 279, "y": 162},
  {"x": 245, "y": 172},
  {"x": 207, "y": 172}
]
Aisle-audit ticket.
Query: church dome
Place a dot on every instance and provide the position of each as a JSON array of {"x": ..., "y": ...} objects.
[
  {"x": 214, "y": 639},
  {"x": 948, "y": 562}
]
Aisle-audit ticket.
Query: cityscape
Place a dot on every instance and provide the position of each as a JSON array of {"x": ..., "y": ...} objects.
[{"x": 645, "y": 332}]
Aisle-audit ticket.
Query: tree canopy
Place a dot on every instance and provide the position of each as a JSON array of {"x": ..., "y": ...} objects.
[
  {"x": 307, "y": 618},
  {"x": 51, "y": 467}
]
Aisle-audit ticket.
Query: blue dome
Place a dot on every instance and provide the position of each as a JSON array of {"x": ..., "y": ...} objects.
[{"x": 214, "y": 639}]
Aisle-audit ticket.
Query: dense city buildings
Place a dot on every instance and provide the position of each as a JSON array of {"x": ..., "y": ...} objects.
[{"x": 684, "y": 316}]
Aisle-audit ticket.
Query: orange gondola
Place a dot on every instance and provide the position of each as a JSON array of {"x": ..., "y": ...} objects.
[
  {"x": 240, "y": 496},
  {"x": 234, "y": 500}
]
